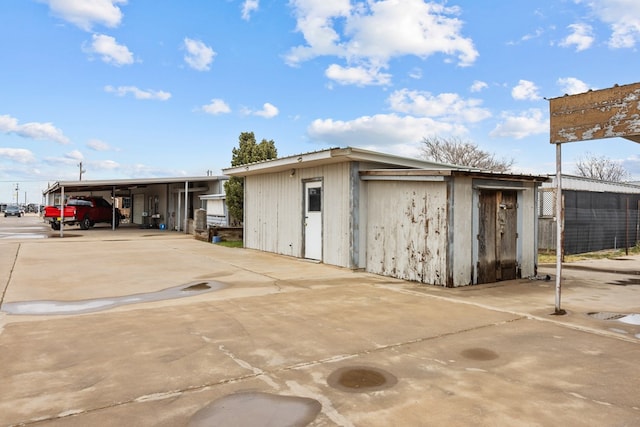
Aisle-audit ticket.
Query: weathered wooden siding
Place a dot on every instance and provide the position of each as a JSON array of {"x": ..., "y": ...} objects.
[{"x": 407, "y": 230}]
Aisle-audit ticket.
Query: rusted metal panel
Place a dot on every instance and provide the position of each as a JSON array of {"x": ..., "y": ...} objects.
[{"x": 606, "y": 113}]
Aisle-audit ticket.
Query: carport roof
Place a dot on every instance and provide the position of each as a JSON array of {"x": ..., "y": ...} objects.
[{"x": 124, "y": 184}]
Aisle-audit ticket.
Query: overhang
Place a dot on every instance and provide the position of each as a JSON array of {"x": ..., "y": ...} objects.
[
  {"x": 123, "y": 184},
  {"x": 440, "y": 175}
]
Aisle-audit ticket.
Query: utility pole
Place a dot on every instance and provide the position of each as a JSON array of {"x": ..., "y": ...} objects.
[
  {"x": 17, "y": 193},
  {"x": 81, "y": 171}
]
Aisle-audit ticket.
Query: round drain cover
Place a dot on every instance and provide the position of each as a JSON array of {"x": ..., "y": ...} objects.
[{"x": 360, "y": 379}]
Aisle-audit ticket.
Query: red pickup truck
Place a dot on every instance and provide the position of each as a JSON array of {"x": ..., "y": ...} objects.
[{"x": 85, "y": 211}]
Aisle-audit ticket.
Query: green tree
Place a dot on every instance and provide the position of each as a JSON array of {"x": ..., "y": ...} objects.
[{"x": 248, "y": 151}]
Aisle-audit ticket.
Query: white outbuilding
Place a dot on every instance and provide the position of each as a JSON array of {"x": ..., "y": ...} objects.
[{"x": 400, "y": 217}]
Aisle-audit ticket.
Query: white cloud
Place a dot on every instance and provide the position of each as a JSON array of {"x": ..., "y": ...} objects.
[
  {"x": 268, "y": 111},
  {"x": 380, "y": 130},
  {"x": 138, "y": 93},
  {"x": 98, "y": 145},
  {"x": 623, "y": 16},
  {"x": 199, "y": 56},
  {"x": 359, "y": 76},
  {"x": 104, "y": 165},
  {"x": 415, "y": 73},
  {"x": 85, "y": 13},
  {"x": 19, "y": 155},
  {"x": 478, "y": 86},
  {"x": 109, "y": 50},
  {"x": 581, "y": 37},
  {"x": 32, "y": 130},
  {"x": 531, "y": 122},
  {"x": 74, "y": 155},
  {"x": 249, "y": 6},
  {"x": 216, "y": 106},
  {"x": 416, "y": 114},
  {"x": 355, "y": 33},
  {"x": 525, "y": 90},
  {"x": 572, "y": 86},
  {"x": 447, "y": 106}
]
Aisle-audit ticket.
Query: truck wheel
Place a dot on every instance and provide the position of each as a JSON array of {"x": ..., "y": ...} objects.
[
  {"x": 55, "y": 226},
  {"x": 85, "y": 224}
]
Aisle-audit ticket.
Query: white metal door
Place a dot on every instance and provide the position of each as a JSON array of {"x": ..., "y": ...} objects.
[{"x": 313, "y": 220}]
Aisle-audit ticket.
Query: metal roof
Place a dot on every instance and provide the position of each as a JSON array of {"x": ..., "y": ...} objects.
[
  {"x": 332, "y": 156},
  {"x": 123, "y": 184},
  {"x": 418, "y": 174}
]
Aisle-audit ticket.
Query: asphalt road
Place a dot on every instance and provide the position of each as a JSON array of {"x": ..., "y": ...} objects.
[{"x": 29, "y": 226}]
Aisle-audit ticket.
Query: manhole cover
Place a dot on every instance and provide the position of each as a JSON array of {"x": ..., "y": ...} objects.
[
  {"x": 479, "y": 354},
  {"x": 197, "y": 287},
  {"x": 605, "y": 315},
  {"x": 360, "y": 379}
]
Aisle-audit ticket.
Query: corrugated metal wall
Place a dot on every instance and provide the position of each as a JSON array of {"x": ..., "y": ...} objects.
[
  {"x": 461, "y": 232},
  {"x": 407, "y": 230},
  {"x": 274, "y": 212}
]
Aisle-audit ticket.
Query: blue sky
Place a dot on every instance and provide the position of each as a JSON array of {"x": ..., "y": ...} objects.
[{"x": 142, "y": 88}]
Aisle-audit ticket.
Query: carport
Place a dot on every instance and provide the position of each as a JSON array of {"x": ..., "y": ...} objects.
[{"x": 170, "y": 201}]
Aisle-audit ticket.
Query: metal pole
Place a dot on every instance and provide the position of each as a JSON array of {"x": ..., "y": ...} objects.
[
  {"x": 62, "y": 211},
  {"x": 113, "y": 208},
  {"x": 186, "y": 207},
  {"x": 559, "y": 229},
  {"x": 626, "y": 237}
]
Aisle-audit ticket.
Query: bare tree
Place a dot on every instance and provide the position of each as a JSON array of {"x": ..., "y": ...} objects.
[
  {"x": 464, "y": 153},
  {"x": 601, "y": 167}
]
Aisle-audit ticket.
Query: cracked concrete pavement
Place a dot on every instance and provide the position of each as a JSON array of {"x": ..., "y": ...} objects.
[{"x": 483, "y": 355}]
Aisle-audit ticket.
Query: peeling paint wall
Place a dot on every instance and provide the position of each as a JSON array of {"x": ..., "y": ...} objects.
[
  {"x": 606, "y": 113},
  {"x": 407, "y": 230},
  {"x": 462, "y": 271}
]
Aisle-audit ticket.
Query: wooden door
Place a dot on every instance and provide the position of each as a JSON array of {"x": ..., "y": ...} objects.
[
  {"x": 497, "y": 236},
  {"x": 507, "y": 235}
]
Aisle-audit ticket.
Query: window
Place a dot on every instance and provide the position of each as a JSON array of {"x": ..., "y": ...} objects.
[{"x": 314, "y": 199}]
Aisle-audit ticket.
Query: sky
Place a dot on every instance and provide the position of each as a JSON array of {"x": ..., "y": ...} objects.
[{"x": 158, "y": 88}]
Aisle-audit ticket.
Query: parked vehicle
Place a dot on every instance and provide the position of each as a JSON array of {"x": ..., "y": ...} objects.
[
  {"x": 84, "y": 211},
  {"x": 13, "y": 210}
]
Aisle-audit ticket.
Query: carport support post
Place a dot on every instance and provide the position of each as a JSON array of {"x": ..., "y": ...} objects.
[
  {"x": 113, "y": 208},
  {"x": 186, "y": 208},
  {"x": 61, "y": 211},
  {"x": 559, "y": 227}
]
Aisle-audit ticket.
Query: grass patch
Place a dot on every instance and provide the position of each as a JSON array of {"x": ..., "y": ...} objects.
[
  {"x": 550, "y": 257},
  {"x": 231, "y": 243}
]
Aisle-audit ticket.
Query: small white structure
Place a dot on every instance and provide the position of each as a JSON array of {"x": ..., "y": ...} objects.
[
  {"x": 216, "y": 207},
  {"x": 405, "y": 218}
]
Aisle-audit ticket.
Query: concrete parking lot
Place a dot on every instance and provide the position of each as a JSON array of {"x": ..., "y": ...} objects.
[{"x": 154, "y": 328}]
